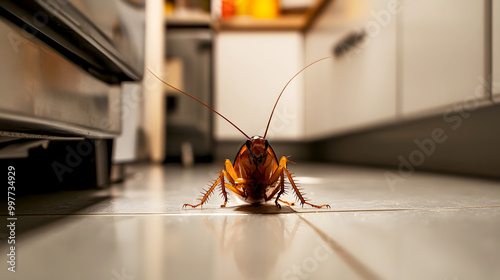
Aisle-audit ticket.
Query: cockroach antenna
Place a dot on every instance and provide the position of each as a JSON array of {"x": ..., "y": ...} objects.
[
  {"x": 198, "y": 102},
  {"x": 275, "y": 104}
]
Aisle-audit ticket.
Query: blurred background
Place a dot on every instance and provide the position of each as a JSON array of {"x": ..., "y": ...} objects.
[
  {"x": 400, "y": 72},
  {"x": 398, "y": 130}
]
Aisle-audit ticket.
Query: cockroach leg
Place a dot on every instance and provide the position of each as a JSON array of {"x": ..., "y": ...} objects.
[
  {"x": 235, "y": 190},
  {"x": 230, "y": 170},
  {"x": 231, "y": 186},
  {"x": 233, "y": 182},
  {"x": 282, "y": 169},
  {"x": 223, "y": 187},
  {"x": 299, "y": 195},
  {"x": 286, "y": 202},
  {"x": 281, "y": 187},
  {"x": 205, "y": 196}
]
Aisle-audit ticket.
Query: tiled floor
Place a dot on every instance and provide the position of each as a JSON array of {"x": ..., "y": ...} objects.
[{"x": 425, "y": 226}]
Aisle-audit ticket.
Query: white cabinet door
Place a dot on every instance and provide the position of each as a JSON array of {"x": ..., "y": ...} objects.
[
  {"x": 356, "y": 89},
  {"x": 251, "y": 68},
  {"x": 496, "y": 51},
  {"x": 443, "y": 54}
]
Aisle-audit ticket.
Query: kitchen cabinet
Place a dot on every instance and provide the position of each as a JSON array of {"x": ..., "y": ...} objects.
[
  {"x": 357, "y": 88},
  {"x": 496, "y": 50},
  {"x": 442, "y": 54},
  {"x": 251, "y": 68},
  {"x": 392, "y": 60}
]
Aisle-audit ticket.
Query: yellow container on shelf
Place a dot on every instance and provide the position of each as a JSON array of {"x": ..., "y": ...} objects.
[
  {"x": 265, "y": 8},
  {"x": 242, "y": 7}
]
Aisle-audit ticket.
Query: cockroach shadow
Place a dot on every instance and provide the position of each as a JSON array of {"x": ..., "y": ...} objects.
[{"x": 263, "y": 209}]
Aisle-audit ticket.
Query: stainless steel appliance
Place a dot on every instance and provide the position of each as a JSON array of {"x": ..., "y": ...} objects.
[
  {"x": 62, "y": 66},
  {"x": 189, "y": 125}
]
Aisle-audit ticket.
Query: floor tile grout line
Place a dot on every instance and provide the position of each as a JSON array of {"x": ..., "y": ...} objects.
[
  {"x": 250, "y": 213},
  {"x": 406, "y": 209}
]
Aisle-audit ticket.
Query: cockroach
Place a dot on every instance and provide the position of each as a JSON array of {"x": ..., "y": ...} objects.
[{"x": 256, "y": 175}]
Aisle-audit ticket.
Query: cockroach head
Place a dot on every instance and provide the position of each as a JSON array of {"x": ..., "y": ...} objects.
[{"x": 257, "y": 146}]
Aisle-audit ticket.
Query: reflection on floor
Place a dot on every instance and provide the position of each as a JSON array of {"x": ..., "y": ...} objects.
[{"x": 381, "y": 226}]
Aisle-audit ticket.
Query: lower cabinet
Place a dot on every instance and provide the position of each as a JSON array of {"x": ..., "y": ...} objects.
[
  {"x": 357, "y": 88},
  {"x": 443, "y": 54}
]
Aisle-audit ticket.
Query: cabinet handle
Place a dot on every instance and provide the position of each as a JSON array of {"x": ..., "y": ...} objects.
[{"x": 348, "y": 43}]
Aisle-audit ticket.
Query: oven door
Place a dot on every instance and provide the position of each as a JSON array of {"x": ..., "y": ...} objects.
[{"x": 63, "y": 64}]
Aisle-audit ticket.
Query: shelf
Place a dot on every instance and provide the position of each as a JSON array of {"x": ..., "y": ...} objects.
[
  {"x": 298, "y": 21},
  {"x": 290, "y": 22},
  {"x": 189, "y": 20},
  {"x": 295, "y": 21}
]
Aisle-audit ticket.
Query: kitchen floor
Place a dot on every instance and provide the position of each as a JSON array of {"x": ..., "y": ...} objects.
[{"x": 381, "y": 225}]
